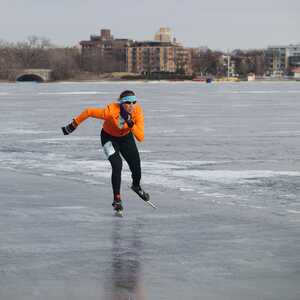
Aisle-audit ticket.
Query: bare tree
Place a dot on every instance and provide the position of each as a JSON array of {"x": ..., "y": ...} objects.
[
  {"x": 38, "y": 52},
  {"x": 7, "y": 59},
  {"x": 252, "y": 61},
  {"x": 64, "y": 62},
  {"x": 32, "y": 53}
]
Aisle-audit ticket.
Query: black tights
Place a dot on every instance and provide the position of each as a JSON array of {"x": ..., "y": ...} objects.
[{"x": 125, "y": 145}]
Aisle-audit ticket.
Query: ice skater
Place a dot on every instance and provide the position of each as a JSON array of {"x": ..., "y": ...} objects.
[{"x": 123, "y": 122}]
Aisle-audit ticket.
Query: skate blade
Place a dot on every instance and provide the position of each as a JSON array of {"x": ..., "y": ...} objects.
[
  {"x": 151, "y": 204},
  {"x": 148, "y": 202}
]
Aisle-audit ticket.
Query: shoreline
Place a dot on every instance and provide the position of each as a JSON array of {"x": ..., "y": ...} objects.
[{"x": 157, "y": 80}]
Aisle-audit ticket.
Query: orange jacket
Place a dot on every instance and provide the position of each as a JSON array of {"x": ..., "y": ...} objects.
[{"x": 113, "y": 124}]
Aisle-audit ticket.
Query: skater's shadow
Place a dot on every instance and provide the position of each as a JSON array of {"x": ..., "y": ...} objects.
[{"x": 125, "y": 276}]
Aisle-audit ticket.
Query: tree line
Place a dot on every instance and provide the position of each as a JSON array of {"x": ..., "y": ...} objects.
[
  {"x": 67, "y": 63},
  {"x": 37, "y": 52},
  {"x": 215, "y": 63}
]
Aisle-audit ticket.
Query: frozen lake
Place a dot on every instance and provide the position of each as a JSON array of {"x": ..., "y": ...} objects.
[{"x": 221, "y": 161}]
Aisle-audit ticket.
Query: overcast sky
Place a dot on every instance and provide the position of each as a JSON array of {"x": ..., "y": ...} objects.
[{"x": 219, "y": 24}]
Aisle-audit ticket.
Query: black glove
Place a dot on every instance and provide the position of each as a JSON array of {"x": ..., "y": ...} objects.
[
  {"x": 69, "y": 128},
  {"x": 124, "y": 113},
  {"x": 126, "y": 116}
]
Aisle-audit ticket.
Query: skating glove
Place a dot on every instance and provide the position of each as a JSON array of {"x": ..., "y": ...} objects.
[
  {"x": 69, "y": 128},
  {"x": 126, "y": 116}
]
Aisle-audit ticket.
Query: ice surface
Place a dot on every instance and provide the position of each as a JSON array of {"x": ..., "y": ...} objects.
[{"x": 221, "y": 161}]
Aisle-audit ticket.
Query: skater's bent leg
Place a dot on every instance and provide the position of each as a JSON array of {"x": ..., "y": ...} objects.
[
  {"x": 111, "y": 151},
  {"x": 131, "y": 154},
  {"x": 116, "y": 164},
  {"x": 135, "y": 167}
]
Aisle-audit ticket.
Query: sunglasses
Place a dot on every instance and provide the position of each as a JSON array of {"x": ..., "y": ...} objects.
[{"x": 130, "y": 102}]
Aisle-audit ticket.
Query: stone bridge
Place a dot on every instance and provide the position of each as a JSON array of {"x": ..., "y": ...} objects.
[{"x": 37, "y": 75}]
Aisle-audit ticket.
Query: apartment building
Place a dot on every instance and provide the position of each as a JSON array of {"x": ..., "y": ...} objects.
[
  {"x": 163, "y": 55},
  {"x": 104, "y": 53},
  {"x": 281, "y": 59},
  {"x": 293, "y": 57},
  {"x": 183, "y": 59},
  {"x": 276, "y": 60},
  {"x": 153, "y": 56},
  {"x": 149, "y": 57}
]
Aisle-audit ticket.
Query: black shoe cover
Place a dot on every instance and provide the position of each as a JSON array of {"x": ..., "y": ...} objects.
[{"x": 137, "y": 189}]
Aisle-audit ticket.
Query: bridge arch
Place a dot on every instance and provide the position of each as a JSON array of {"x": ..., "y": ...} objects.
[
  {"x": 37, "y": 75},
  {"x": 30, "y": 77}
]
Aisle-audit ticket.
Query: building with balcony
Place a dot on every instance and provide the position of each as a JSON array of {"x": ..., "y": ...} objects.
[
  {"x": 149, "y": 57},
  {"x": 105, "y": 54},
  {"x": 282, "y": 59},
  {"x": 158, "y": 57},
  {"x": 276, "y": 60},
  {"x": 293, "y": 58}
]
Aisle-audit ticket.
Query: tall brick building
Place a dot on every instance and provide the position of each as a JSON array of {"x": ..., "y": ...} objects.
[
  {"x": 105, "y": 54},
  {"x": 150, "y": 57}
]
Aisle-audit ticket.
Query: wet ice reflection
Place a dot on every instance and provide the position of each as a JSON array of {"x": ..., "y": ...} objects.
[{"x": 124, "y": 280}]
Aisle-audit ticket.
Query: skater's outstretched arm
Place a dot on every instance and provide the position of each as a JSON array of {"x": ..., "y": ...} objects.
[
  {"x": 99, "y": 113},
  {"x": 92, "y": 112}
]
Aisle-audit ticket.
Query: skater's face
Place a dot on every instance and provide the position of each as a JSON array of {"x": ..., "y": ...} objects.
[{"x": 129, "y": 106}]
